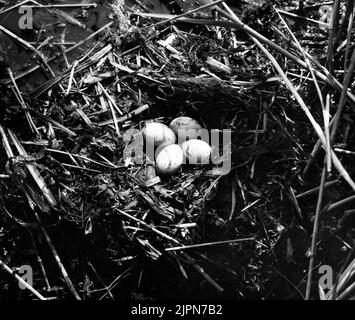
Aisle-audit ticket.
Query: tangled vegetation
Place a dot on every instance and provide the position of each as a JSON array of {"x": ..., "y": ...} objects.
[{"x": 94, "y": 224}]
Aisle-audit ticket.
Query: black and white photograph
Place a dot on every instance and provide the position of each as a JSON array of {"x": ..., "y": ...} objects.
[{"x": 177, "y": 157}]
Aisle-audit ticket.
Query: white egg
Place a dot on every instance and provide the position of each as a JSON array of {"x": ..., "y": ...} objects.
[
  {"x": 169, "y": 159},
  {"x": 185, "y": 127},
  {"x": 161, "y": 147},
  {"x": 156, "y": 133},
  {"x": 196, "y": 151}
]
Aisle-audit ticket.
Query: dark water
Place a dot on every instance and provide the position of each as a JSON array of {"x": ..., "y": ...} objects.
[{"x": 70, "y": 25}]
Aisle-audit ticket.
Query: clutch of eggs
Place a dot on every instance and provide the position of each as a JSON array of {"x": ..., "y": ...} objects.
[{"x": 169, "y": 156}]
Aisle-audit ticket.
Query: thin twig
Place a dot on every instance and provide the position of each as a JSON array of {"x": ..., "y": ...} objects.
[
  {"x": 315, "y": 232},
  {"x": 208, "y": 244},
  {"x": 23, "y": 282},
  {"x": 23, "y": 103},
  {"x": 340, "y": 203},
  {"x": 18, "y": 5},
  {"x": 348, "y": 36},
  {"x": 34, "y": 172},
  {"x": 39, "y": 260},
  {"x": 296, "y": 16},
  {"x": 314, "y": 190},
  {"x": 56, "y": 257},
  {"x": 342, "y": 100},
  {"x": 101, "y": 281},
  {"x": 333, "y": 25}
]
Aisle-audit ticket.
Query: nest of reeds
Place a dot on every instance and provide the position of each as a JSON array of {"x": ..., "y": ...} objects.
[{"x": 95, "y": 225}]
